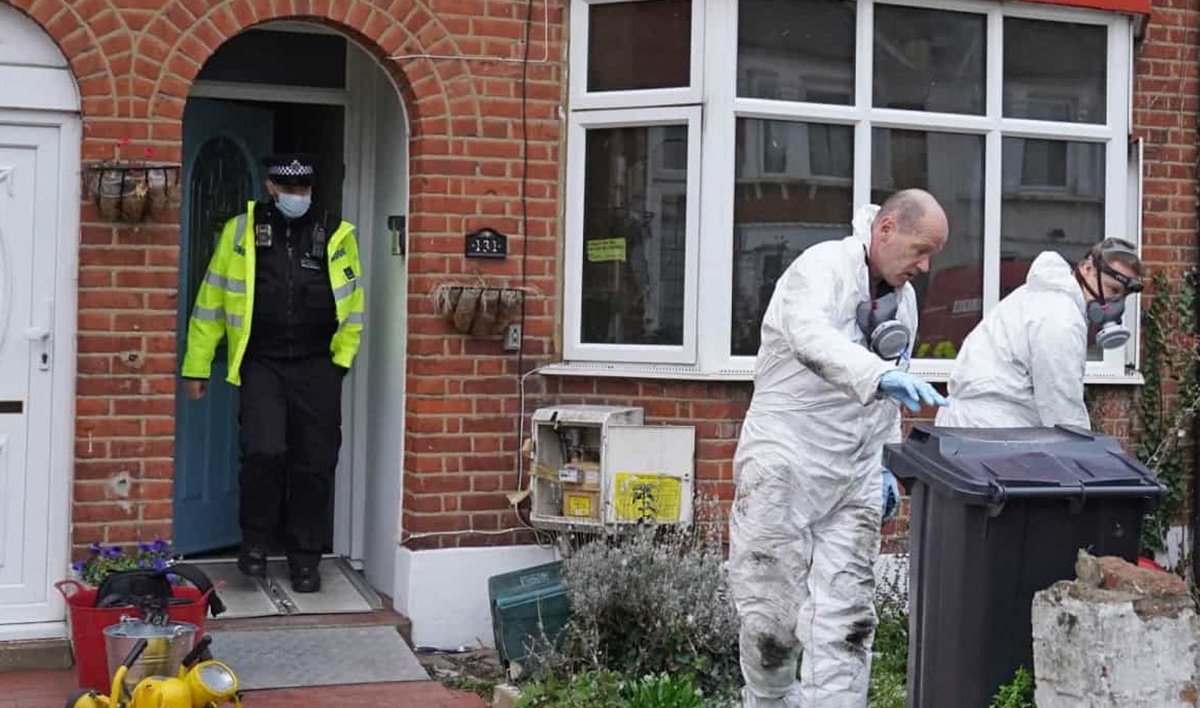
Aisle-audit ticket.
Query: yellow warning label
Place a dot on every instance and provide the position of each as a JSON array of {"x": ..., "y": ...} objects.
[
  {"x": 601, "y": 250},
  {"x": 579, "y": 505},
  {"x": 647, "y": 496}
]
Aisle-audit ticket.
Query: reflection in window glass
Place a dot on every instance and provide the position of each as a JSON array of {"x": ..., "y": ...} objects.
[
  {"x": 1053, "y": 200},
  {"x": 221, "y": 182},
  {"x": 793, "y": 188},
  {"x": 796, "y": 50},
  {"x": 639, "y": 45},
  {"x": 929, "y": 60},
  {"x": 1055, "y": 70},
  {"x": 951, "y": 167},
  {"x": 634, "y": 235}
]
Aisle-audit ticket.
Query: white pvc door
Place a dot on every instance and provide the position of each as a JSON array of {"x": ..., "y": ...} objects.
[{"x": 30, "y": 180}]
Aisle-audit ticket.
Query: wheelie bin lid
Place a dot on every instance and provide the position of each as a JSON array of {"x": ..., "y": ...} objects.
[{"x": 986, "y": 466}]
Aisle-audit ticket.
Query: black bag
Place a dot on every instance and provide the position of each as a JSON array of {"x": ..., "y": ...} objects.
[{"x": 150, "y": 590}]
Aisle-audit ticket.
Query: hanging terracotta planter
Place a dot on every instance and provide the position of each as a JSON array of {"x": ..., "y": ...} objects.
[{"x": 478, "y": 310}]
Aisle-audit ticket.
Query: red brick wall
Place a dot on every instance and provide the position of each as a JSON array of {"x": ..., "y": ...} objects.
[
  {"x": 1166, "y": 99},
  {"x": 134, "y": 61}
]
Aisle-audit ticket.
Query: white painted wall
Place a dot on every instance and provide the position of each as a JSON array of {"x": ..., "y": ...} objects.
[
  {"x": 444, "y": 592},
  {"x": 1099, "y": 648},
  {"x": 387, "y": 324}
]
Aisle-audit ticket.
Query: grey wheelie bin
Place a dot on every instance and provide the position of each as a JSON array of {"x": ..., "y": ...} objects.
[{"x": 997, "y": 515}]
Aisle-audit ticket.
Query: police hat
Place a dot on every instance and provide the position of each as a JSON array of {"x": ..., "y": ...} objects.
[{"x": 291, "y": 169}]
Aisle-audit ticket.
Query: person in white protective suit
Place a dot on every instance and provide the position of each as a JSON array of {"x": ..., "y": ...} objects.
[
  {"x": 804, "y": 530},
  {"x": 1023, "y": 365}
]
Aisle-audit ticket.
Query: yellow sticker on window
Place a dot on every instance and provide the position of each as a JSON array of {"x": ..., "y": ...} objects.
[{"x": 604, "y": 250}]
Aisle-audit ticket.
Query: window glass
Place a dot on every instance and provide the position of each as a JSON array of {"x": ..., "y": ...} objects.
[
  {"x": 639, "y": 45},
  {"x": 634, "y": 235}
]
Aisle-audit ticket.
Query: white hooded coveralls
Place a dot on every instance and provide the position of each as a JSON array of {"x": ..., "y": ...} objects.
[
  {"x": 1023, "y": 365},
  {"x": 804, "y": 528}
]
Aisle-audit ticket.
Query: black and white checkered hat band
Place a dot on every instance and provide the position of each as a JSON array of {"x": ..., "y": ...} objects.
[{"x": 295, "y": 169}]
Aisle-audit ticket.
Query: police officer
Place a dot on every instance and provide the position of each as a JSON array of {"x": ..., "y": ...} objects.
[{"x": 284, "y": 286}]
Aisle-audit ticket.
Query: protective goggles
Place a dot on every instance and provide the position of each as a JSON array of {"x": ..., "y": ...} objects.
[{"x": 1132, "y": 284}]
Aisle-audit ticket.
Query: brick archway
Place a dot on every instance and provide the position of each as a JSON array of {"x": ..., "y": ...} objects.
[
  {"x": 469, "y": 149},
  {"x": 201, "y": 29}
]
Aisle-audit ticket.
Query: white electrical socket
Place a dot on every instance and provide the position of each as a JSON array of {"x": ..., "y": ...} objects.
[{"x": 512, "y": 338}]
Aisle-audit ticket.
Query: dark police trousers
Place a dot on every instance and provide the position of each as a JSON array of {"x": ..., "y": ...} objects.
[{"x": 290, "y": 420}]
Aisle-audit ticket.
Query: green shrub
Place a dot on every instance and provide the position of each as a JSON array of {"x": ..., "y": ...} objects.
[
  {"x": 592, "y": 689},
  {"x": 654, "y": 602},
  {"x": 889, "y": 662},
  {"x": 1017, "y": 693},
  {"x": 664, "y": 691},
  {"x": 605, "y": 689}
]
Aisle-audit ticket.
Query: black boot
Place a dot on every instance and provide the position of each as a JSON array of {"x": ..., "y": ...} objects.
[
  {"x": 306, "y": 579},
  {"x": 252, "y": 561}
]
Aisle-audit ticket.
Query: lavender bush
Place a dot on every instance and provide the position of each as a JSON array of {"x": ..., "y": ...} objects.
[{"x": 654, "y": 601}]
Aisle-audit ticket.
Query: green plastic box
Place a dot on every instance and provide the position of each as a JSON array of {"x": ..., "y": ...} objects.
[{"x": 527, "y": 604}]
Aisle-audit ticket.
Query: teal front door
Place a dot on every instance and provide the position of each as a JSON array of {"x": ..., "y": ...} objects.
[{"x": 222, "y": 144}]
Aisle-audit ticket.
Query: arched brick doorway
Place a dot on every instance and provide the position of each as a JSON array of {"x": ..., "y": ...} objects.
[{"x": 299, "y": 87}]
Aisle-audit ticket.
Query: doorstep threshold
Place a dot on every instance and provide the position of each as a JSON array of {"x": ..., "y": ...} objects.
[{"x": 343, "y": 590}]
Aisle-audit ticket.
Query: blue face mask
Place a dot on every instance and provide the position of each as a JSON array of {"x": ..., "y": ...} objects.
[{"x": 293, "y": 206}]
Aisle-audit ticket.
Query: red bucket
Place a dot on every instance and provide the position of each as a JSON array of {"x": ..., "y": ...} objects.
[{"x": 88, "y": 623}]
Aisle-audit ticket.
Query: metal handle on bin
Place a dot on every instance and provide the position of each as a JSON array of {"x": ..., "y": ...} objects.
[
  {"x": 1000, "y": 494},
  {"x": 1140, "y": 490}
]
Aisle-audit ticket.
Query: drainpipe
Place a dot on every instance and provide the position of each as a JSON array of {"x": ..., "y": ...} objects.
[
  {"x": 1194, "y": 277},
  {"x": 1194, "y": 280}
]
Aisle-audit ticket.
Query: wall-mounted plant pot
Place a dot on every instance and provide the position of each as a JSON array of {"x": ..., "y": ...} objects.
[
  {"x": 130, "y": 192},
  {"x": 478, "y": 310}
]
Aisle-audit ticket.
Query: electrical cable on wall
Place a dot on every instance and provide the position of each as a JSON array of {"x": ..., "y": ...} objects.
[
  {"x": 525, "y": 193},
  {"x": 541, "y": 537},
  {"x": 521, "y": 374}
]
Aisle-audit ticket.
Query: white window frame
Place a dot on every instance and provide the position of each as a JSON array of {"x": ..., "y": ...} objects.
[
  {"x": 575, "y": 348},
  {"x": 582, "y": 98},
  {"x": 714, "y": 89}
]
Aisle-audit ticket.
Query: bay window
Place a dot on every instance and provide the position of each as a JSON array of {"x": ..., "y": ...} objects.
[{"x": 710, "y": 143}]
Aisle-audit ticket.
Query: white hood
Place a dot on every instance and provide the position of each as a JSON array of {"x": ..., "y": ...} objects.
[
  {"x": 1050, "y": 271},
  {"x": 1023, "y": 365},
  {"x": 863, "y": 218}
]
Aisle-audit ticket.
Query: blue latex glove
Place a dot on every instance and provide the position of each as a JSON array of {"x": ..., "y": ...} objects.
[
  {"x": 891, "y": 496},
  {"x": 910, "y": 390}
]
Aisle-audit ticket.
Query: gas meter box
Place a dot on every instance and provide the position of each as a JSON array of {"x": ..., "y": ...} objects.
[
  {"x": 598, "y": 466},
  {"x": 998, "y": 514}
]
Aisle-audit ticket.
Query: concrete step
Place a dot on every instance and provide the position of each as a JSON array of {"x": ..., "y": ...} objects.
[{"x": 35, "y": 655}]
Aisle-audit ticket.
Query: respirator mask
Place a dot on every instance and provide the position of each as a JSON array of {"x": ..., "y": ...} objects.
[
  {"x": 1108, "y": 313},
  {"x": 886, "y": 335}
]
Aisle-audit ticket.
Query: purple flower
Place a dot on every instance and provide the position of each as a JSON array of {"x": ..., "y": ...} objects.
[
  {"x": 77, "y": 566},
  {"x": 96, "y": 548},
  {"x": 144, "y": 548},
  {"x": 160, "y": 546},
  {"x": 158, "y": 564},
  {"x": 112, "y": 552}
]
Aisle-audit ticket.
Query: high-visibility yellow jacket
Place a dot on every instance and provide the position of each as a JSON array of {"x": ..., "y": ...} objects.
[{"x": 225, "y": 304}]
